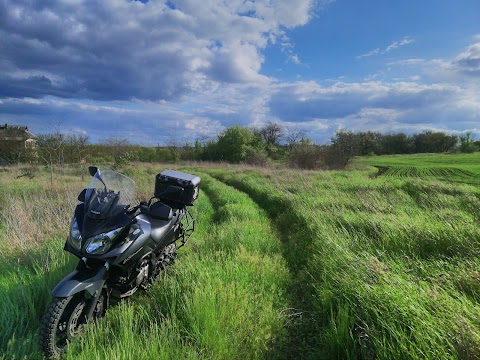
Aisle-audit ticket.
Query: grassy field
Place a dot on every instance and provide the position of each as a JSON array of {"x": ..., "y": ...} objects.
[
  {"x": 459, "y": 168},
  {"x": 284, "y": 264}
]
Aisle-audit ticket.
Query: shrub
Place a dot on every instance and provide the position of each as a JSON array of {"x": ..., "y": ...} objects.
[
  {"x": 305, "y": 155},
  {"x": 256, "y": 157}
]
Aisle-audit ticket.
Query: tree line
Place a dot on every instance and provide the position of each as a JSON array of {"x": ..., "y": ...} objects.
[{"x": 239, "y": 144}]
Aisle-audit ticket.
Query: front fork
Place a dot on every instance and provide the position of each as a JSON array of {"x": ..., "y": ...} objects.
[{"x": 84, "y": 279}]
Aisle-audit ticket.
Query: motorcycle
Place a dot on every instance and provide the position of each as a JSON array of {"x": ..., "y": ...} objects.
[{"x": 121, "y": 248}]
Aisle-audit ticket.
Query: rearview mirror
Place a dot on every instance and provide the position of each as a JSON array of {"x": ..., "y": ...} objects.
[{"x": 92, "y": 170}]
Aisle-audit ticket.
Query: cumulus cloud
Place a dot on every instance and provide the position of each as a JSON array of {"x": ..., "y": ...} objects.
[
  {"x": 121, "y": 50},
  {"x": 468, "y": 62},
  {"x": 304, "y": 100},
  {"x": 150, "y": 71},
  {"x": 375, "y": 105},
  {"x": 142, "y": 123},
  {"x": 462, "y": 68}
]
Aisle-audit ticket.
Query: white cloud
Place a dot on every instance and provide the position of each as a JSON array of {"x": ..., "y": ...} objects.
[
  {"x": 461, "y": 69},
  {"x": 309, "y": 100},
  {"x": 393, "y": 46},
  {"x": 468, "y": 62},
  {"x": 397, "y": 44},
  {"x": 145, "y": 123},
  {"x": 151, "y": 71},
  {"x": 373, "y": 52},
  {"x": 295, "y": 59},
  {"x": 122, "y": 50},
  {"x": 288, "y": 49},
  {"x": 377, "y": 105}
]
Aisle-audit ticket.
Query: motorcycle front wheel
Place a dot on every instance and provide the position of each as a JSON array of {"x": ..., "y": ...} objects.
[{"x": 64, "y": 320}]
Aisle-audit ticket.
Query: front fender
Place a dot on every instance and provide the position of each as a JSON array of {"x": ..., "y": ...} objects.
[{"x": 77, "y": 281}]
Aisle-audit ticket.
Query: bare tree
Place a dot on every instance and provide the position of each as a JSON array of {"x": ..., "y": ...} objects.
[
  {"x": 294, "y": 136},
  {"x": 271, "y": 133},
  {"x": 174, "y": 146},
  {"x": 51, "y": 150},
  {"x": 76, "y": 148}
]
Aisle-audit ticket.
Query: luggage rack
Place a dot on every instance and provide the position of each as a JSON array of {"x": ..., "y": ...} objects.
[{"x": 187, "y": 227}]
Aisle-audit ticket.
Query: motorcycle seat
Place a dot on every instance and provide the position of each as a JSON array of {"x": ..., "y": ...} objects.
[
  {"x": 159, "y": 211},
  {"x": 159, "y": 229}
]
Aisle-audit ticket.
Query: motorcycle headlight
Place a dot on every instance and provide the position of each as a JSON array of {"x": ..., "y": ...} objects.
[
  {"x": 75, "y": 238},
  {"x": 99, "y": 244}
]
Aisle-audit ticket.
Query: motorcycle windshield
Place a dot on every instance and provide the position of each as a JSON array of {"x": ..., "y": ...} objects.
[{"x": 108, "y": 194}]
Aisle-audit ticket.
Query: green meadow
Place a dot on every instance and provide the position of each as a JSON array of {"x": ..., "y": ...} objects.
[
  {"x": 380, "y": 261},
  {"x": 454, "y": 168}
]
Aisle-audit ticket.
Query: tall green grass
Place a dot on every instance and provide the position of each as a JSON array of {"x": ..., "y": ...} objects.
[
  {"x": 456, "y": 168},
  {"x": 34, "y": 218},
  {"x": 223, "y": 299},
  {"x": 283, "y": 264},
  {"x": 366, "y": 239},
  {"x": 25, "y": 286}
]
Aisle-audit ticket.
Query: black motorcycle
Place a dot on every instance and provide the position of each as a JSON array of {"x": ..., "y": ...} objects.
[{"x": 121, "y": 249}]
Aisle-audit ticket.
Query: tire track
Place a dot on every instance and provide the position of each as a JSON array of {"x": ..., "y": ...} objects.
[
  {"x": 248, "y": 263},
  {"x": 296, "y": 235}
]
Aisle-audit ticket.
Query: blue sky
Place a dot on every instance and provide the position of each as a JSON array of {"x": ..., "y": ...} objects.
[
  {"x": 156, "y": 71},
  {"x": 331, "y": 42}
]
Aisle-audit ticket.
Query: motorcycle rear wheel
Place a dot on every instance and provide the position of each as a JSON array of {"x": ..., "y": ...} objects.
[
  {"x": 169, "y": 255},
  {"x": 64, "y": 320}
]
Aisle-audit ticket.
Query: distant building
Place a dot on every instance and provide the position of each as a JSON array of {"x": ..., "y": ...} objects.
[
  {"x": 17, "y": 137},
  {"x": 17, "y": 144}
]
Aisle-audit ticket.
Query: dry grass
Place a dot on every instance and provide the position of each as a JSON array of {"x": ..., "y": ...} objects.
[{"x": 32, "y": 211}]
